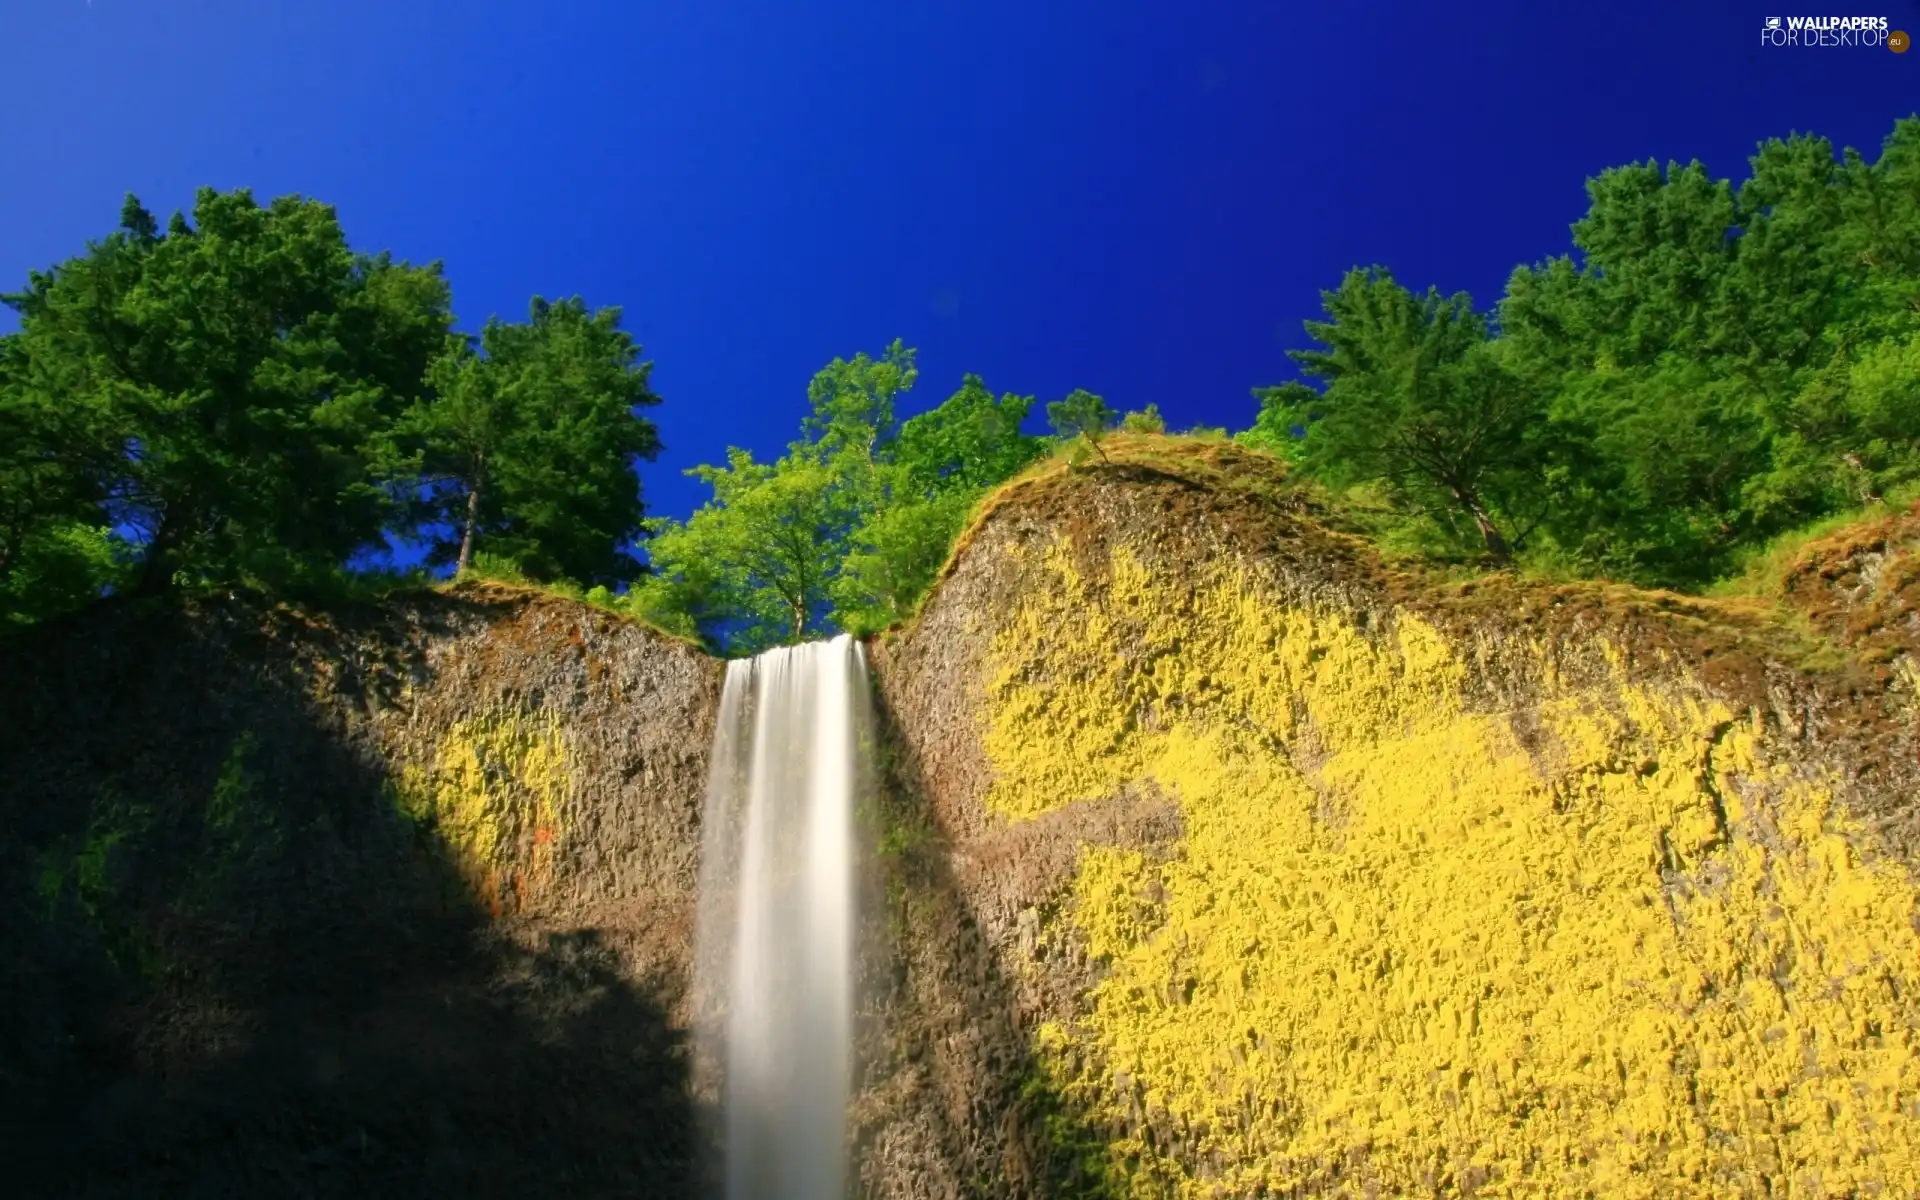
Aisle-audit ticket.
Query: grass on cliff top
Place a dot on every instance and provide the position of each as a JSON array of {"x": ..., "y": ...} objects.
[
  {"x": 1208, "y": 460},
  {"x": 1769, "y": 571},
  {"x": 1754, "y": 610},
  {"x": 487, "y": 573}
]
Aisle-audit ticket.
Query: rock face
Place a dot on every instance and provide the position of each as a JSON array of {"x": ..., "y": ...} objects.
[
  {"x": 1230, "y": 861},
  {"x": 1215, "y": 857},
  {"x": 387, "y": 903}
]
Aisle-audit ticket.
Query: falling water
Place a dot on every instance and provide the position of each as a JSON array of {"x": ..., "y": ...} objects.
[{"x": 774, "y": 956}]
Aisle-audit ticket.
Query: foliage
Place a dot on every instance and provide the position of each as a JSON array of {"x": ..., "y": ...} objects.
[
  {"x": 1715, "y": 364},
  {"x": 1764, "y": 570},
  {"x": 527, "y": 443},
  {"x": 895, "y": 555},
  {"x": 940, "y": 464},
  {"x": 972, "y": 440},
  {"x": 55, "y": 552},
  {"x": 755, "y": 563},
  {"x": 217, "y": 390},
  {"x": 1419, "y": 400},
  {"x": 241, "y": 400},
  {"x": 1084, "y": 416},
  {"x": 847, "y": 529}
]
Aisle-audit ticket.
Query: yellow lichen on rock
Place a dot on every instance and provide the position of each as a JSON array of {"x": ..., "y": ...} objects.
[
  {"x": 496, "y": 792},
  {"x": 1400, "y": 949}
]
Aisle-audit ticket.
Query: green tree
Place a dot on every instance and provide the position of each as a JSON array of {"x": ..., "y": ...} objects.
[
  {"x": 1418, "y": 400},
  {"x": 972, "y": 440},
  {"x": 1274, "y": 429},
  {"x": 753, "y": 566},
  {"x": 941, "y": 462},
  {"x": 1082, "y": 415},
  {"x": 850, "y": 526},
  {"x": 1147, "y": 420},
  {"x": 527, "y": 444},
  {"x": 1671, "y": 451},
  {"x": 757, "y": 565},
  {"x": 230, "y": 379},
  {"x": 56, "y": 550},
  {"x": 1718, "y": 347},
  {"x": 894, "y": 557},
  {"x": 1658, "y": 261},
  {"x": 853, "y": 405}
]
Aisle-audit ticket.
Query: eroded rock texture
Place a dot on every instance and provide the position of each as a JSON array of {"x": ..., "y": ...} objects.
[
  {"x": 1214, "y": 856},
  {"x": 1252, "y": 866},
  {"x": 382, "y": 903}
]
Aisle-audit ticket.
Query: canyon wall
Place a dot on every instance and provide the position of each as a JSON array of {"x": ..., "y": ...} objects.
[
  {"x": 390, "y": 901},
  {"x": 1236, "y": 862},
  {"x": 1214, "y": 856}
]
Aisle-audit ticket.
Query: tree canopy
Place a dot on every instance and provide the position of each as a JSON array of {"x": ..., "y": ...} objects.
[
  {"x": 1712, "y": 364},
  {"x": 220, "y": 385},
  {"x": 850, "y": 526},
  {"x": 1417, "y": 399},
  {"x": 242, "y": 400},
  {"x": 526, "y": 444}
]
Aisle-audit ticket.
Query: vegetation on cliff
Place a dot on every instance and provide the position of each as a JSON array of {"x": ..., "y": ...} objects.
[
  {"x": 849, "y": 527},
  {"x": 1720, "y": 366},
  {"x": 240, "y": 400},
  {"x": 1621, "y": 951},
  {"x": 391, "y": 899},
  {"x": 1481, "y": 887},
  {"x": 1716, "y": 364}
]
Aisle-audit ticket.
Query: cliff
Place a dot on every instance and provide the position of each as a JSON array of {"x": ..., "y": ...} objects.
[
  {"x": 383, "y": 902},
  {"x": 1216, "y": 856},
  {"x": 1255, "y": 866}
]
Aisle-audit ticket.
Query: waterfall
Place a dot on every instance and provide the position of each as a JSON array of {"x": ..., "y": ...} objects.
[{"x": 773, "y": 968}]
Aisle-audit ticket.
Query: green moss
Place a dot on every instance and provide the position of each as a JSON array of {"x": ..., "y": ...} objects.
[
  {"x": 90, "y": 876},
  {"x": 50, "y": 880},
  {"x": 1053, "y": 1096},
  {"x": 242, "y": 828},
  {"x": 231, "y": 789},
  {"x": 619, "y": 607}
]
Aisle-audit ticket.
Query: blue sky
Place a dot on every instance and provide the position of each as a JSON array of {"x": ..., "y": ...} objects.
[{"x": 1142, "y": 199}]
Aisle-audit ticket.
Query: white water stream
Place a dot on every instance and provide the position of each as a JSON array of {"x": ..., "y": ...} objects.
[{"x": 773, "y": 969}]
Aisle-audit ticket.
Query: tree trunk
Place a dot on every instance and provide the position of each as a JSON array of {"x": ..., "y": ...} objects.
[
  {"x": 466, "y": 534},
  {"x": 156, "y": 572},
  {"x": 799, "y": 622},
  {"x": 1489, "y": 532},
  {"x": 16, "y": 537}
]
